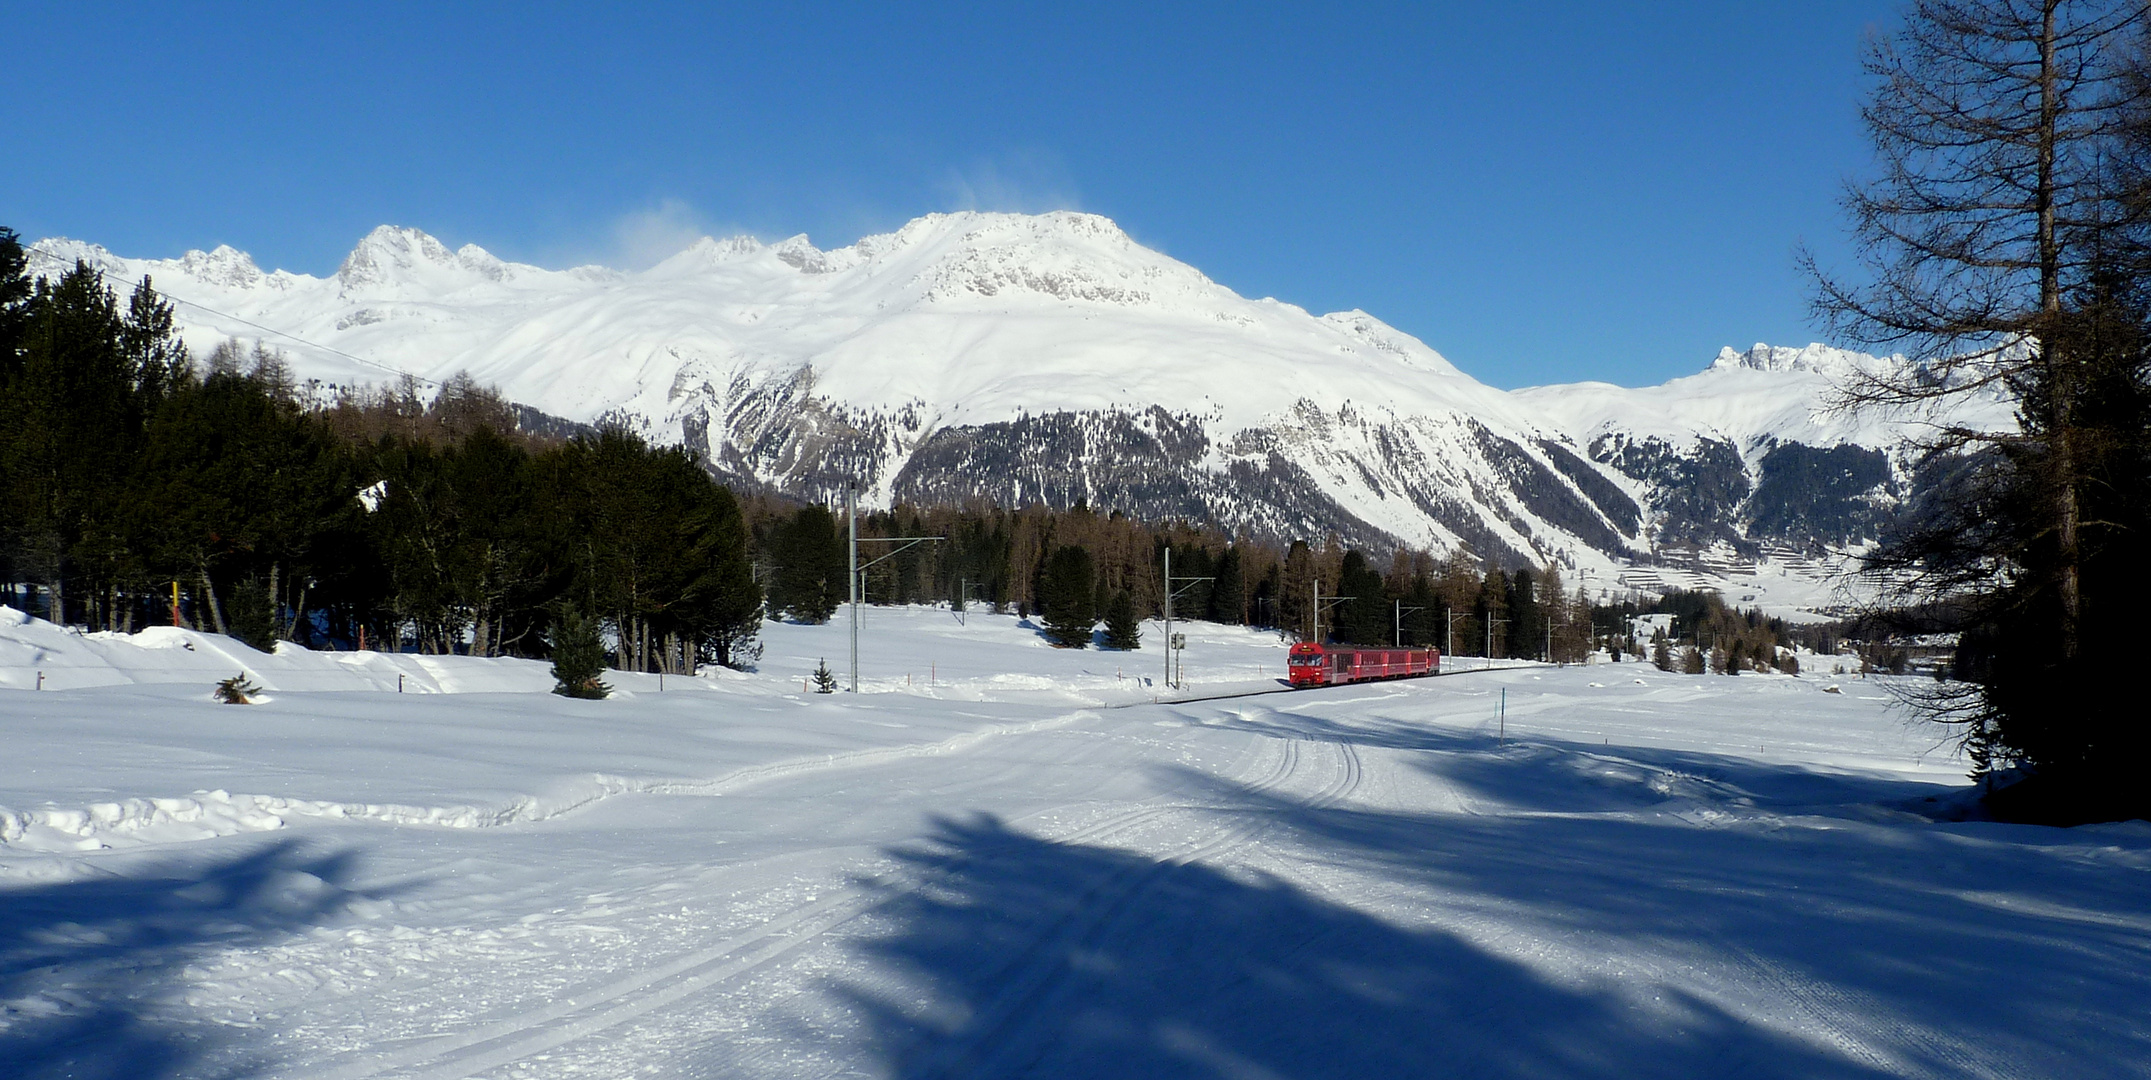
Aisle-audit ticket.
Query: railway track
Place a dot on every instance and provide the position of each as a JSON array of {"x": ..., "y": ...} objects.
[{"x": 1306, "y": 689}]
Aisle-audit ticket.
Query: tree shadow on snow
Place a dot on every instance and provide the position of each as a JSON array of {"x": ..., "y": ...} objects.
[
  {"x": 91, "y": 970},
  {"x": 1942, "y": 949},
  {"x": 1024, "y": 956},
  {"x": 1536, "y": 773}
]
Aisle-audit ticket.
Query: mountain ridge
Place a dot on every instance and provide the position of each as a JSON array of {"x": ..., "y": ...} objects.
[{"x": 1051, "y": 357}]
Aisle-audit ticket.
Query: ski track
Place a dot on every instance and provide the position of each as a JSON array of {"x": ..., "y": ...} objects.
[
  {"x": 1825, "y": 1007},
  {"x": 1009, "y": 1036},
  {"x": 219, "y": 813},
  {"x": 587, "y": 1012}
]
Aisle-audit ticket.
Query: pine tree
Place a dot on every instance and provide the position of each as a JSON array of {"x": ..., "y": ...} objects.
[
  {"x": 578, "y": 656},
  {"x": 1691, "y": 660},
  {"x": 810, "y": 556},
  {"x": 1365, "y": 618},
  {"x": 1661, "y": 653},
  {"x": 1065, "y": 588},
  {"x": 1527, "y": 616},
  {"x": 825, "y": 682},
  {"x": 1228, "y": 596},
  {"x": 1122, "y": 630},
  {"x": 237, "y": 690},
  {"x": 252, "y": 614}
]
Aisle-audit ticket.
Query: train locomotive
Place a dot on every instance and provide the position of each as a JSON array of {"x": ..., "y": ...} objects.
[{"x": 1314, "y": 664}]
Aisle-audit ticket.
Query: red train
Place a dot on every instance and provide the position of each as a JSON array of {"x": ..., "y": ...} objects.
[{"x": 1313, "y": 664}]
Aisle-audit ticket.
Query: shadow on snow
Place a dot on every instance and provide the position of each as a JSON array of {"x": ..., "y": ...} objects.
[
  {"x": 1789, "y": 925},
  {"x": 1034, "y": 958},
  {"x": 92, "y": 971}
]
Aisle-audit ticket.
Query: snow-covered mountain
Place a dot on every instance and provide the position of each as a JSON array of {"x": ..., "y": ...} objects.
[{"x": 1052, "y": 358}]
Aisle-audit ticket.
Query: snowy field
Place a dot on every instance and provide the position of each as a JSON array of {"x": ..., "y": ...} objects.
[{"x": 1001, "y": 859}]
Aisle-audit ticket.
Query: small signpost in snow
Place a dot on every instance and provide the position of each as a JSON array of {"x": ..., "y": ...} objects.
[{"x": 1174, "y": 642}]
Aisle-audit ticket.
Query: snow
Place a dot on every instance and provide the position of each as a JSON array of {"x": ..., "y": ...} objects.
[
  {"x": 1005, "y": 858},
  {"x": 1768, "y": 393},
  {"x": 985, "y": 316}
]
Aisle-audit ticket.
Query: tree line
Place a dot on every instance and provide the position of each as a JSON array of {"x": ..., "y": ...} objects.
[
  {"x": 138, "y": 487},
  {"x": 1072, "y": 569}
]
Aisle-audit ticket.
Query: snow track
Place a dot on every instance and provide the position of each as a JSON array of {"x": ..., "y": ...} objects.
[
  {"x": 617, "y": 1001},
  {"x": 1027, "y": 1005},
  {"x": 1831, "y": 1014},
  {"x": 220, "y": 813}
]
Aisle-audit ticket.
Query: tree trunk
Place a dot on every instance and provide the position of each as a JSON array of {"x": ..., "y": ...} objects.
[
  {"x": 216, "y": 609},
  {"x": 298, "y": 614}
]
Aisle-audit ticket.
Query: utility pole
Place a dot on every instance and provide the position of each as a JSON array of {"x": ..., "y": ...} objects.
[
  {"x": 851, "y": 575},
  {"x": 1450, "y": 641},
  {"x": 1401, "y": 609},
  {"x": 857, "y": 573},
  {"x": 1490, "y": 621},
  {"x": 963, "y": 601},
  {"x": 1171, "y": 672},
  {"x": 1315, "y": 605}
]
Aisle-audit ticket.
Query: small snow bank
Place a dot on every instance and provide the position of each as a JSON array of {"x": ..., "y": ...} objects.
[
  {"x": 134, "y": 822},
  {"x": 128, "y": 822},
  {"x": 35, "y": 654}
]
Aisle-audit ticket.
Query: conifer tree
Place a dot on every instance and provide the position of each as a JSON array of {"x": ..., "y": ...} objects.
[
  {"x": 810, "y": 557},
  {"x": 1123, "y": 630},
  {"x": 1066, "y": 592},
  {"x": 578, "y": 656},
  {"x": 1364, "y": 619},
  {"x": 1228, "y": 595},
  {"x": 252, "y": 614}
]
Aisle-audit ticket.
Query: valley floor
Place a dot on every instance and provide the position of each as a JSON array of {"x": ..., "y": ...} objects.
[{"x": 1001, "y": 859}]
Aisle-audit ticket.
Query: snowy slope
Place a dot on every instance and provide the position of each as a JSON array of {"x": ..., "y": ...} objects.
[
  {"x": 1600, "y": 871},
  {"x": 1024, "y": 358}
]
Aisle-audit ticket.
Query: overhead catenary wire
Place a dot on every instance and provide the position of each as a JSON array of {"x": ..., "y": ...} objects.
[{"x": 391, "y": 369}]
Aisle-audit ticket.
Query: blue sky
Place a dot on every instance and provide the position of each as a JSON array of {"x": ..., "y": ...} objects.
[{"x": 1545, "y": 193}]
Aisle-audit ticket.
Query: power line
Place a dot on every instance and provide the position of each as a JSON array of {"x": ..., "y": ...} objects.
[{"x": 243, "y": 322}]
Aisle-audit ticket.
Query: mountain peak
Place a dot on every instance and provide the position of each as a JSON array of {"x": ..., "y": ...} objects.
[
  {"x": 1813, "y": 357},
  {"x": 391, "y": 256},
  {"x": 224, "y": 266},
  {"x": 390, "y": 253}
]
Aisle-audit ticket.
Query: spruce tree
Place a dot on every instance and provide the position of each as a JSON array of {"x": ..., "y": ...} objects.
[
  {"x": 825, "y": 682},
  {"x": 1065, "y": 593},
  {"x": 810, "y": 555},
  {"x": 1228, "y": 595},
  {"x": 251, "y": 614},
  {"x": 578, "y": 656},
  {"x": 1527, "y": 616},
  {"x": 1661, "y": 653},
  {"x": 1123, "y": 630},
  {"x": 1365, "y": 619}
]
